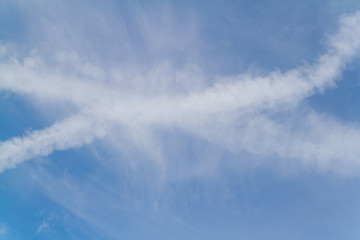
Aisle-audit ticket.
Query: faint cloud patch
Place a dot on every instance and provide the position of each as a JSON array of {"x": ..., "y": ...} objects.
[
  {"x": 43, "y": 226},
  {"x": 3, "y": 230}
]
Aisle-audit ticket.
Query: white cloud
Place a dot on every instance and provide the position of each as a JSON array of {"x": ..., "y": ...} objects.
[
  {"x": 233, "y": 112},
  {"x": 72, "y": 132},
  {"x": 44, "y": 225}
]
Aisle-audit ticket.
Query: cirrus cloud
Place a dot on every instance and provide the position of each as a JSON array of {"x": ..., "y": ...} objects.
[{"x": 236, "y": 112}]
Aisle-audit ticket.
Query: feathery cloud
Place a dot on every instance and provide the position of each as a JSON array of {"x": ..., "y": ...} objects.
[{"x": 234, "y": 112}]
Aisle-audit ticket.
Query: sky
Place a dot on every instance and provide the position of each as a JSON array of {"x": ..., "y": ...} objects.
[{"x": 179, "y": 119}]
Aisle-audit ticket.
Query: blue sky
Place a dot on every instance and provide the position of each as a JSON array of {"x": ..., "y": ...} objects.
[{"x": 179, "y": 120}]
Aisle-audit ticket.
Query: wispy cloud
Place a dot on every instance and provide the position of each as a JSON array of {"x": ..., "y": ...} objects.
[
  {"x": 235, "y": 112},
  {"x": 44, "y": 225},
  {"x": 73, "y": 132}
]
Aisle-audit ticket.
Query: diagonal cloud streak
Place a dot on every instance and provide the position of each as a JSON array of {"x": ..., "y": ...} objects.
[
  {"x": 103, "y": 101},
  {"x": 72, "y": 132}
]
